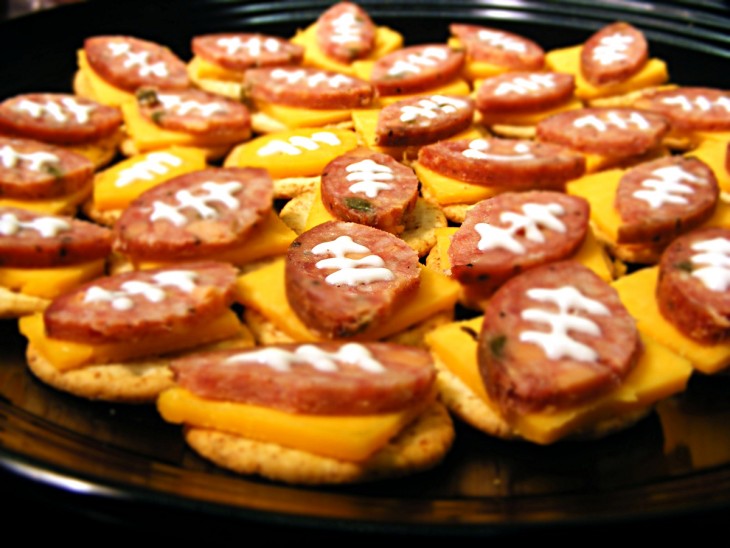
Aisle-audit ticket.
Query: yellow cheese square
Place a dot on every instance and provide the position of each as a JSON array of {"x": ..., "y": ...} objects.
[
  {"x": 65, "y": 355},
  {"x": 658, "y": 374},
  {"x": 199, "y": 68},
  {"x": 49, "y": 282},
  {"x": 296, "y": 117},
  {"x": 116, "y": 187},
  {"x": 294, "y": 153},
  {"x": 713, "y": 153},
  {"x": 349, "y": 438},
  {"x": 447, "y": 191},
  {"x": 567, "y": 60},
  {"x": 386, "y": 41},
  {"x": 265, "y": 291},
  {"x": 531, "y": 118},
  {"x": 59, "y": 205},
  {"x": 103, "y": 91},
  {"x": 637, "y": 292}
]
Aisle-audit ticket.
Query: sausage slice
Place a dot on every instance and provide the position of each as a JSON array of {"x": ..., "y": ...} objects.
[
  {"x": 369, "y": 188},
  {"x": 694, "y": 284},
  {"x": 34, "y": 240},
  {"x": 609, "y": 131},
  {"x": 344, "y": 278},
  {"x": 691, "y": 109},
  {"x": 141, "y": 304},
  {"x": 512, "y": 232},
  {"x": 323, "y": 379},
  {"x": 241, "y": 51},
  {"x": 499, "y": 47},
  {"x": 58, "y": 118},
  {"x": 661, "y": 199},
  {"x": 345, "y": 32},
  {"x": 307, "y": 88},
  {"x": 34, "y": 170},
  {"x": 510, "y": 163},
  {"x": 195, "y": 215},
  {"x": 556, "y": 335},
  {"x": 416, "y": 69},
  {"x": 129, "y": 63},
  {"x": 613, "y": 54},
  {"x": 423, "y": 120},
  {"x": 523, "y": 92}
]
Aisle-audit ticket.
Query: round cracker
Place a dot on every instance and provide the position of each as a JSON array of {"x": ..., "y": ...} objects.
[
  {"x": 15, "y": 305},
  {"x": 134, "y": 382},
  {"x": 513, "y": 132},
  {"x": 263, "y": 124},
  {"x": 212, "y": 153},
  {"x": 106, "y": 218},
  {"x": 420, "y": 446},
  {"x": 456, "y": 213},
  {"x": 296, "y": 211}
]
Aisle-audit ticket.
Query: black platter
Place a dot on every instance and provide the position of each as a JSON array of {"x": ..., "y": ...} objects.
[{"x": 118, "y": 464}]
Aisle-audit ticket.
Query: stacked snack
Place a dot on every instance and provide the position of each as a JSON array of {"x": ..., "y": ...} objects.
[{"x": 556, "y": 353}]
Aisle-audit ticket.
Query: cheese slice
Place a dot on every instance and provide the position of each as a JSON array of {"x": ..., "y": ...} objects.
[
  {"x": 199, "y": 68},
  {"x": 270, "y": 237},
  {"x": 530, "y": 118},
  {"x": 637, "y": 291},
  {"x": 65, "y": 355},
  {"x": 713, "y": 153},
  {"x": 567, "y": 60},
  {"x": 102, "y": 91},
  {"x": 148, "y": 136},
  {"x": 111, "y": 192},
  {"x": 50, "y": 282},
  {"x": 265, "y": 291},
  {"x": 296, "y": 117},
  {"x": 386, "y": 41},
  {"x": 59, "y": 205},
  {"x": 590, "y": 254},
  {"x": 294, "y": 153},
  {"x": 476, "y": 70},
  {"x": 349, "y": 438},
  {"x": 448, "y": 191},
  {"x": 658, "y": 374}
]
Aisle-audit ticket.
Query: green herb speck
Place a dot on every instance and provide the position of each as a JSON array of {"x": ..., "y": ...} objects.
[{"x": 359, "y": 204}]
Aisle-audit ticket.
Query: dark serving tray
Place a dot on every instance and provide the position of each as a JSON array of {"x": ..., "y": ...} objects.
[{"x": 119, "y": 464}]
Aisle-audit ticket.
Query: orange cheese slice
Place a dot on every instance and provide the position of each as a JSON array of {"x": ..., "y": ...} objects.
[
  {"x": 148, "y": 136},
  {"x": 116, "y": 187},
  {"x": 349, "y": 438},
  {"x": 50, "y": 282},
  {"x": 294, "y": 153},
  {"x": 296, "y": 117},
  {"x": 55, "y": 206},
  {"x": 102, "y": 91},
  {"x": 448, "y": 191},
  {"x": 658, "y": 374},
  {"x": 637, "y": 291},
  {"x": 386, "y": 41},
  {"x": 567, "y": 60},
  {"x": 265, "y": 291},
  {"x": 65, "y": 355},
  {"x": 713, "y": 153},
  {"x": 199, "y": 68}
]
